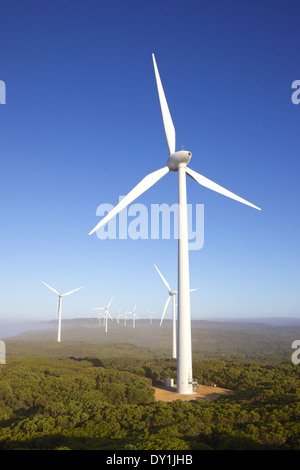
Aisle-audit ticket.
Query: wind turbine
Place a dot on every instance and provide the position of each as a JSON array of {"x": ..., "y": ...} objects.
[
  {"x": 172, "y": 293},
  {"x": 134, "y": 316},
  {"x": 91, "y": 315},
  {"x": 105, "y": 313},
  {"x": 125, "y": 317},
  {"x": 177, "y": 161},
  {"x": 150, "y": 315},
  {"x": 99, "y": 316},
  {"x": 58, "y": 315},
  {"x": 119, "y": 315}
]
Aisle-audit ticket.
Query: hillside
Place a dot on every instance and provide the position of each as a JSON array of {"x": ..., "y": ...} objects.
[{"x": 104, "y": 391}]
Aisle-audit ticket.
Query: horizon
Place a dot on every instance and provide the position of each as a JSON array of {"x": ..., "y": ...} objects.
[{"x": 10, "y": 329}]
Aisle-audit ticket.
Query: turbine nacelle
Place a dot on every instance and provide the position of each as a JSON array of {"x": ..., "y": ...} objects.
[
  {"x": 177, "y": 158},
  {"x": 173, "y": 292}
]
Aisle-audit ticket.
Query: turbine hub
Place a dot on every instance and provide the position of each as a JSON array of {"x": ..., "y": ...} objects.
[{"x": 178, "y": 158}]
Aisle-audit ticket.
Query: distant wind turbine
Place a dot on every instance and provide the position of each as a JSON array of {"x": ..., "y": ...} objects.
[
  {"x": 150, "y": 315},
  {"x": 177, "y": 161},
  {"x": 134, "y": 316},
  {"x": 118, "y": 316},
  {"x": 58, "y": 315},
  {"x": 172, "y": 293},
  {"x": 91, "y": 315},
  {"x": 105, "y": 313},
  {"x": 100, "y": 316}
]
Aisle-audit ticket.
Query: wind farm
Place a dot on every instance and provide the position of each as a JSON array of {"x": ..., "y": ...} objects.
[
  {"x": 177, "y": 161},
  {"x": 149, "y": 249}
]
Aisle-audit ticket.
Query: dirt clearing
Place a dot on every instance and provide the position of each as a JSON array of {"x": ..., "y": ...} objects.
[{"x": 204, "y": 392}]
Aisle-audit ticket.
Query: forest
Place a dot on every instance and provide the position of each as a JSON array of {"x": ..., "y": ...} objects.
[{"x": 94, "y": 403}]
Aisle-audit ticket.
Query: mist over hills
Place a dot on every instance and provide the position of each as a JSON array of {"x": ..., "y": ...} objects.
[
  {"x": 10, "y": 328},
  {"x": 264, "y": 340}
]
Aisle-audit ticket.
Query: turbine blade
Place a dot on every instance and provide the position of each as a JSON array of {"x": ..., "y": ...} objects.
[
  {"x": 139, "y": 189},
  {"x": 163, "y": 279},
  {"x": 165, "y": 309},
  {"x": 192, "y": 290},
  {"x": 50, "y": 288},
  {"x": 167, "y": 120},
  {"x": 109, "y": 315},
  {"x": 71, "y": 291},
  {"x": 216, "y": 187},
  {"x": 109, "y": 303}
]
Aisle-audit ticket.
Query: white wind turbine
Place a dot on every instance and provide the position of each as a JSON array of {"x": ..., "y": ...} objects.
[
  {"x": 105, "y": 314},
  {"x": 134, "y": 316},
  {"x": 99, "y": 316},
  {"x": 172, "y": 294},
  {"x": 150, "y": 315},
  {"x": 177, "y": 161},
  {"x": 91, "y": 315},
  {"x": 119, "y": 314},
  {"x": 58, "y": 314},
  {"x": 125, "y": 317}
]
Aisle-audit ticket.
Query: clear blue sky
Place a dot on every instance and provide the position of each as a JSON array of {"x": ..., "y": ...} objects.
[{"x": 82, "y": 125}]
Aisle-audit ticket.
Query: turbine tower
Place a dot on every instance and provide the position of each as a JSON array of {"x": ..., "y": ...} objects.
[
  {"x": 177, "y": 161},
  {"x": 172, "y": 293},
  {"x": 58, "y": 314},
  {"x": 105, "y": 314}
]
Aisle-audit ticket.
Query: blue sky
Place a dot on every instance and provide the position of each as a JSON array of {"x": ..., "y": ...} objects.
[{"x": 82, "y": 125}]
